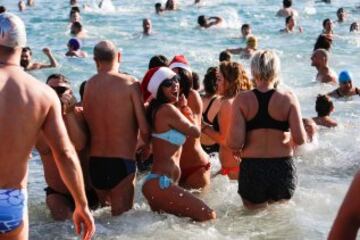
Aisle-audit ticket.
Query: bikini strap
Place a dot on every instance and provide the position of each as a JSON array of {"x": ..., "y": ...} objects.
[{"x": 205, "y": 114}]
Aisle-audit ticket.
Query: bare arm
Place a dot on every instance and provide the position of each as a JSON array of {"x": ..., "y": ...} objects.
[
  {"x": 297, "y": 129},
  {"x": 179, "y": 122},
  {"x": 52, "y": 60},
  {"x": 196, "y": 105},
  {"x": 224, "y": 121},
  {"x": 237, "y": 132},
  {"x": 234, "y": 50},
  {"x": 216, "y": 20},
  {"x": 140, "y": 113},
  {"x": 68, "y": 164},
  {"x": 347, "y": 222}
]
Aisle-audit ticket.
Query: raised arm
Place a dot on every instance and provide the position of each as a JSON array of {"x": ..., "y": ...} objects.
[
  {"x": 52, "y": 60},
  {"x": 68, "y": 164},
  {"x": 297, "y": 129},
  {"x": 347, "y": 222},
  {"x": 140, "y": 112},
  {"x": 216, "y": 20},
  {"x": 234, "y": 50},
  {"x": 236, "y": 137}
]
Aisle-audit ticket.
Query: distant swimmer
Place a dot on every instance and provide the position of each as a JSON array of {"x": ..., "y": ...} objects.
[
  {"x": 347, "y": 224},
  {"x": 207, "y": 22},
  {"x": 77, "y": 30},
  {"x": 324, "y": 107},
  {"x": 27, "y": 63},
  {"x": 73, "y": 2},
  {"x": 328, "y": 27},
  {"x": 74, "y": 16},
  {"x": 355, "y": 27},
  {"x": 30, "y": 3},
  {"x": 74, "y": 49},
  {"x": 341, "y": 15},
  {"x": 2, "y": 9},
  {"x": 147, "y": 26},
  {"x": 158, "y": 8},
  {"x": 346, "y": 88},
  {"x": 171, "y": 5},
  {"x": 171, "y": 125},
  {"x": 319, "y": 60},
  {"x": 115, "y": 115},
  {"x": 246, "y": 31},
  {"x": 28, "y": 108},
  {"x": 265, "y": 125},
  {"x": 21, "y": 5},
  {"x": 248, "y": 51},
  {"x": 287, "y": 10},
  {"x": 290, "y": 25},
  {"x": 58, "y": 198}
]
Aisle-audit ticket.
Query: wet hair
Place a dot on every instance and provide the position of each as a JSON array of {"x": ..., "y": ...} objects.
[
  {"x": 157, "y": 5},
  {"x": 82, "y": 89},
  {"x": 340, "y": 10},
  {"x": 287, "y": 3},
  {"x": 185, "y": 81},
  {"x": 169, "y": 4},
  {"x": 236, "y": 78},
  {"x": 323, "y": 105},
  {"x": 76, "y": 25},
  {"x": 353, "y": 26},
  {"x": 158, "y": 61},
  {"x": 196, "y": 81},
  {"x": 245, "y": 26},
  {"x": 27, "y": 49},
  {"x": 224, "y": 56},
  {"x": 57, "y": 76},
  {"x": 265, "y": 66},
  {"x": 155, "y": 104},
  {"x": 323, "y": 42},
  {"x": 287, "y": 19},
  {"x": 201, "y": 20},
  {"x": 209, "y": 81},
  {"x": 75, "y": 9},
  {"x": 325, "y": 22},
  {"x": 2, "y": 9}
]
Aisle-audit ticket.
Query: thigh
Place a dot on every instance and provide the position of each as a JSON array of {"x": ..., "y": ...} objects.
[
  {"x": 122, "y": 196},
  {"x": 61, "y": 207}
]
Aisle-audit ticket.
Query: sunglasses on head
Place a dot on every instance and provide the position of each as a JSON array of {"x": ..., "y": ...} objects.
[
  {"x": 169, "y": 82},
  {"x": 60, "y": 90}
]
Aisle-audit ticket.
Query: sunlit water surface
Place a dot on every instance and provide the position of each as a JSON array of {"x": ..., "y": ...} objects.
[{"x": 325, "y": 170}]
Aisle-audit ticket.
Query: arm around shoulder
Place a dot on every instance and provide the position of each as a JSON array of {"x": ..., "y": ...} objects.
[{"x": 179, "y": 122}]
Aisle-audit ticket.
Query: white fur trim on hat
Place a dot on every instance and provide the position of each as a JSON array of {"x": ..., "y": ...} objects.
[
  {"x": 180, "y": 65},
  {"x": 157, "y": 78}
]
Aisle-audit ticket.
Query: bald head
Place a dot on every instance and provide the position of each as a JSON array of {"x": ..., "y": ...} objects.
[{"x": 105, "y": 51}]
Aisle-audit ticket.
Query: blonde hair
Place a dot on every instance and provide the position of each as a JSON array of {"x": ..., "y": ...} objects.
[
  {"x": 236, "y": 78},
  {"x": 265, "y": 66},
  {"x": 252, "y": 42}
]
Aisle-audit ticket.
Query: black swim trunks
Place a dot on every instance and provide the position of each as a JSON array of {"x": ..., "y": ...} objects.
[
  {"x": 91, "y": 196},
  {"x": 267, "y": 179},
  {"x": 107, "y": 172}
]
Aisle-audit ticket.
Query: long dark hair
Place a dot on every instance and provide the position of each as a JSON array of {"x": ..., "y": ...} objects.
[
  {"x": 185, "y": 81},
  {"x": 154, "y": 106}
]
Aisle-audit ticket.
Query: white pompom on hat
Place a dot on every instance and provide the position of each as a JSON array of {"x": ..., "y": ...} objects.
[
  {"x": 12, "y": 31},
  {"x": 153, "y": 79},
  {"x": 179, "y": 61}
]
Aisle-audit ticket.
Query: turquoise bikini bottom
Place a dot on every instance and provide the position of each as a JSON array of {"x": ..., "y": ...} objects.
[{"x": 164, "y": 181}]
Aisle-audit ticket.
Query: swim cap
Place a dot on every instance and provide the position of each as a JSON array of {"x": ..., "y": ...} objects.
[
  {"x": 153, "y": 79},
  {"x": 12, "y": 31},
  {"x": 74, "y": 43},
  {"x": 345, "y": 76},
  {"x": 179, "y": 61}
]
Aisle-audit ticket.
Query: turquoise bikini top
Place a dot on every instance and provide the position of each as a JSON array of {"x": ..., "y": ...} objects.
[{"x": 172, "y": 136}]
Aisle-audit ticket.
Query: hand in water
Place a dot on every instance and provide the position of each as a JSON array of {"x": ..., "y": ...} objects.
[{"x": 84, "y": 222}]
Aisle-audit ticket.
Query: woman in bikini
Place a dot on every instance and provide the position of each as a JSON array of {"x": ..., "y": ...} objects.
[
  {"x": 194, "y": 162},
  {"x": 231, "y": 79},
  {"x": 170, "y": 130}
]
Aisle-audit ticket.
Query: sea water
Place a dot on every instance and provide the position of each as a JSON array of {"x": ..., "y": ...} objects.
[{"x": 324, "y": 170}]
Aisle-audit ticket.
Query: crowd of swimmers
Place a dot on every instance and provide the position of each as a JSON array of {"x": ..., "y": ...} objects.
[{"x": 91, "y": 149}]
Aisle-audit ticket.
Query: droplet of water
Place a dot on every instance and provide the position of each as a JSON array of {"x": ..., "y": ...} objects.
[
  {"x": 181, "y": 194},
  {"x": 202, "y": 209}
]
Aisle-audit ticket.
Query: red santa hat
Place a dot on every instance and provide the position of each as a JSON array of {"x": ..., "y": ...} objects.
[
  {"x": 153, "y": 79},
  {"x": 179, "y": 61}
]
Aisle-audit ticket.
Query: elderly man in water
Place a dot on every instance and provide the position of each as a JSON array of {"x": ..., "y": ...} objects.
[{"x": 113, "y": 130}]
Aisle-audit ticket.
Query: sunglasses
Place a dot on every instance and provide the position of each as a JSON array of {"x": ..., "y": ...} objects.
[
  {"x": 60, "y": 90},
  {"x": 169, "y": 82}
]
